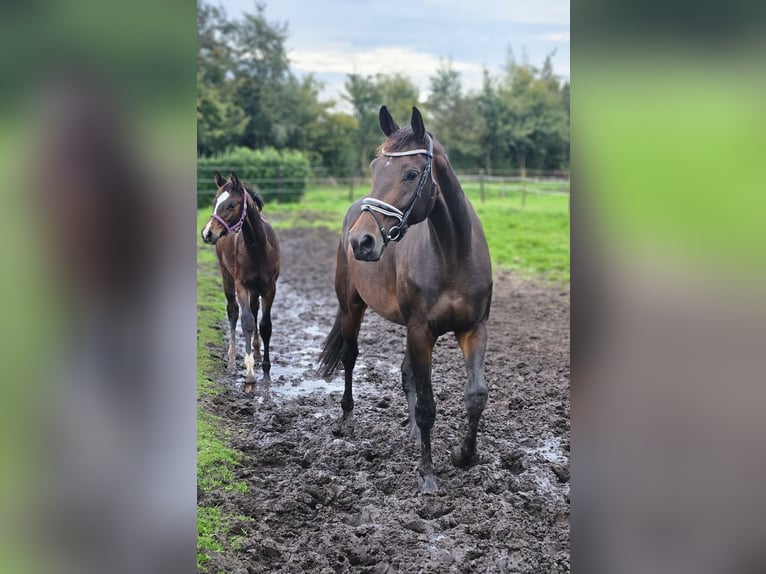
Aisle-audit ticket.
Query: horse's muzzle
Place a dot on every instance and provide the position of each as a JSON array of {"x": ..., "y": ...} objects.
[
  {"x": 209, "y": 237},
  {"x": 366, "y": 247}
]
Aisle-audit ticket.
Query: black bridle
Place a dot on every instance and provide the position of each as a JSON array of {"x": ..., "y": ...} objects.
[{"x": 373, "y": 206}]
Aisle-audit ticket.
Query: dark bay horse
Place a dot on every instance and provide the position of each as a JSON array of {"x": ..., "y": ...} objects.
[
  {"x": 248, "y": 254},
  {"x": 414, "y": 251}
]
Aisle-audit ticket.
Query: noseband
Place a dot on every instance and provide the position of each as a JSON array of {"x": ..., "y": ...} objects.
[
  {"x": 237, "y": 226},
  {"x": 373, "y": 206}
]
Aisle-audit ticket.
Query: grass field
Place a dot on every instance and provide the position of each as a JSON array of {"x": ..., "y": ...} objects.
[
  {"x": 533, "y": 239},
  {"x": 215, "y": 460}
]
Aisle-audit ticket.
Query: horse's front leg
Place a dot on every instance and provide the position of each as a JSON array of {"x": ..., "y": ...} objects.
[
  {"x": 232, "y": 311},
  {"x": 420, "y": 344},
  {"x": 265, "y": 327},
  {"x": 255, "y": 301},
  {"x": 472, "y": 343},
  {"x": 248, "y": 326},
  {"x": 408, "y": 384}
]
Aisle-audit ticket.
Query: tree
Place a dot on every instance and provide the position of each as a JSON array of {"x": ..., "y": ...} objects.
[
  {"x": 367, "y": 94},
  {"x": 220, "y": 120},
  {"x": 533, "y": 122},
  {"x": 261, "y": 68}
]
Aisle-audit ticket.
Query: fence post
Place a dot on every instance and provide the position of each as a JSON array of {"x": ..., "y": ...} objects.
[
  {"x": 280, "y": 184},
  {"x": 523, "y": 191},
  {"x": 350, "y": 185},
  {"x": 481, "y": 184}
]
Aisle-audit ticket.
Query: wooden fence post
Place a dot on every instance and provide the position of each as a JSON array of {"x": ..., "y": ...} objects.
[
  {"x": 523, "y": 191},
  {"x": 481, "y": 184},
  {"x": 350, "y": 185}
]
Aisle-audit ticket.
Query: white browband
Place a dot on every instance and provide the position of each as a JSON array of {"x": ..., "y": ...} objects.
[{"x": 410, "y": 152}]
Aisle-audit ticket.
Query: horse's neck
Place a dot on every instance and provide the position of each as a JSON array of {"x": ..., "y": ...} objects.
[
  {"x": 253, "y": 230},
  {"x": 451, "y": 215}
]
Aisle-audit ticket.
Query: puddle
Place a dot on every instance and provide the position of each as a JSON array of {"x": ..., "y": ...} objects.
[
  {"x": 299, "y": 329},
  {"x": 550, "y": 451}
]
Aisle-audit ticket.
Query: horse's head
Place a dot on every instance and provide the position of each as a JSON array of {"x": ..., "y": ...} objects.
[
  {"x": 230, "y": 209},
  {"x": 403, "y": 187}
]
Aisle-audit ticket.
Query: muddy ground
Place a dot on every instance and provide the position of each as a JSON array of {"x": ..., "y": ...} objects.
[{"x": 322, "y": 503}]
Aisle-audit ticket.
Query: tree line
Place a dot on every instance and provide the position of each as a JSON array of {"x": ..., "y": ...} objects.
[{"x": 247, "y": 96}]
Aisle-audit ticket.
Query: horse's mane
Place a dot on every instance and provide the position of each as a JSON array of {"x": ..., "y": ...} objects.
[{"x": 253, "y": 193}]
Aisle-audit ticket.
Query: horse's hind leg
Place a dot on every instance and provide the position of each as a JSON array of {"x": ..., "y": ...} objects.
[
  {"x": 232, "y": 310},
  {"x": 248, "y": 326},
  {"x": 350, "y": 322},
  {"x": 408, "y": 384},
  {"x": 265, "y": 327},
  {"x": 472, "y": 343}
]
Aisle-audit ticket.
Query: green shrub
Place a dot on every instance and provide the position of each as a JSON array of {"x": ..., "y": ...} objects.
[{"x": 277, "y": 175}]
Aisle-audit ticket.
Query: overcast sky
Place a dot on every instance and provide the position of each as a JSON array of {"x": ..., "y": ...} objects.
[{"x": 332, "y": 38}]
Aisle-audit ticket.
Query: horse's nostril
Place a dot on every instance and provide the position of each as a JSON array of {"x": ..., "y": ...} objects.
[{"x": 367, "y": 243}]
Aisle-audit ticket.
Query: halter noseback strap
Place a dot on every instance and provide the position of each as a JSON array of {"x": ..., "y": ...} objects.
[{"x": 373, "y": 206}]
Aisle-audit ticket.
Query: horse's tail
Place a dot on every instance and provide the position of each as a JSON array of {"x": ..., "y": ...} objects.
[{"x": 332, "y": 350}]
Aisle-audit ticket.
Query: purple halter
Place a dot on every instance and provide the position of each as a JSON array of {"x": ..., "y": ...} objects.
[{"x": 237, "y": 226}]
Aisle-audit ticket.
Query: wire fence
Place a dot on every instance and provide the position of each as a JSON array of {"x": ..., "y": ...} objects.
[{"x": 498, "y": 185}]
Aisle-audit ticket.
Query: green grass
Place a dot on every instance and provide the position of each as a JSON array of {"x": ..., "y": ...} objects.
[
  {"x": 532, "y": 240},
  {"x": 215, "y": 460}
]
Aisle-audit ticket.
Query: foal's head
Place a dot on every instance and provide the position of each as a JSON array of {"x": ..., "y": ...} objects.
[
  {"x": 230, "y": 208},
  {"x": 403, "y": 187}
]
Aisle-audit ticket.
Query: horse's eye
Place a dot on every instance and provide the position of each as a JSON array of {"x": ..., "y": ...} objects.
[
  {"x": 411, "y": 175},
  {"x": 231, "y": 206}
]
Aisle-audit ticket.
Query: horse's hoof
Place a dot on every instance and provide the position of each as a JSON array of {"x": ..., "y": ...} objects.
[
  {"x": 249, "y": 388},
  {"x": 427, "y": 484},
  {"x": 344, "y": 426},
  {"x": 462, "y": 460}
]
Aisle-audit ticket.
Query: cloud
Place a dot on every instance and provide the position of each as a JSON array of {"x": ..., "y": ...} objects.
[
  {"x": 382, "y": 59},
  {"x": 330, "y": 62},
  {"x": 562, "y": 37}
]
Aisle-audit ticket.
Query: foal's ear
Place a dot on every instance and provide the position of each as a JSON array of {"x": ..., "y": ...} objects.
[
  {"x": 236, "y": 184},
  {"x": 418, "y": 127},
  {"x": 219, "y": 181},
  {"x": 387, "y": 123}
]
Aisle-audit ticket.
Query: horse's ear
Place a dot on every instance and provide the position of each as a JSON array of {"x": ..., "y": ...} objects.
[
  {"x": 219, "y": 180},
  {"x": 235, "y": 181},
  {"x": 387, "y": 123},
  {"x": 418, "y": 127}
]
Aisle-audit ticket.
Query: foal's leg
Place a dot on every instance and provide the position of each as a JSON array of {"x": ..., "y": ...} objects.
[
  {"x": 473, "y": 344},
  {"x": 232, "y": 310},
  {"x": 420, "y": 344},
  {"x": 351, "y": 320},
  {"x": 408, "y": 384},
  {"x": 265, "y": 326},
  {"x": 248, "y": 326},
  {"x": 254, "y": 305}
]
